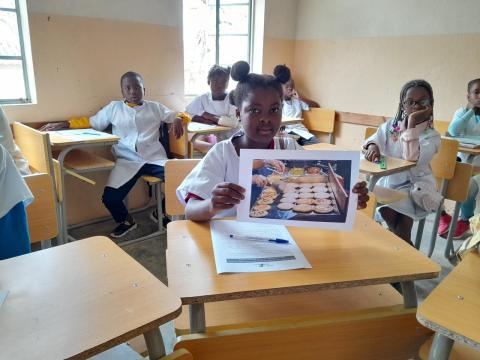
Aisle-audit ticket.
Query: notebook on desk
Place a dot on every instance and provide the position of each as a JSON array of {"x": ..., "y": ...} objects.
[{"x": 469, "y": 142}]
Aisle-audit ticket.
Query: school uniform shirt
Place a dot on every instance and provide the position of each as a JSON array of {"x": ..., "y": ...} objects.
[
  {"x": 220, "y": 164},
  {"x": 419, "y": 144},
  {"x": 465, "y": 123},
  {"x": 293, "y": 109},
  {"x": 139, "y": 131},
  {"x": 14, "y": 188},
  {"x": 6, "y": 139}
]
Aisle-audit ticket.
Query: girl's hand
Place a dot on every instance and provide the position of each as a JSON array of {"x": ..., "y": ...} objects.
[
  {"x": 475, "y": 104},
  {"x": 177, "y": 127},
  {"x": 361, "y": 189},
  {"x": 277, "y": 165},
  {"x": 372, "y": 153},
  {"x": 295, "y": 94},
  {"x": 62, "y": 125},
  {"x": 259, "y": 180},
  {"x": 226, "y": 196},
  {"x": 419, "y": 117}
]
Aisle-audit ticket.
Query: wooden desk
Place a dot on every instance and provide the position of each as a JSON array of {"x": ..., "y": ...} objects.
[
  {"x": 471, "y": 153},
  {"x": 64, "y": 145},
  {"x": 196, "y": 129},
  {"x": 452, "y": 310},
  {"x": 79, "y": 299},
  {"x": 394, "y": 165},
  {"x": 366, "y": 256}
]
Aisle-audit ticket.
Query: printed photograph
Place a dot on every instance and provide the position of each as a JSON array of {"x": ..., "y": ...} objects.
[{"x": 301, "y": 190}]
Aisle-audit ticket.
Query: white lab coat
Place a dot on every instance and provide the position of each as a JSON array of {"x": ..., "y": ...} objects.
[
  {"x": 429, "y": 141},
  {"x": 6, "y": 139},
  {"x": 139, "y": 131},
  {"x": 13, "y": 187},
  {"x": 220, "y": 164},
  {"x": 293, "y": 109}
]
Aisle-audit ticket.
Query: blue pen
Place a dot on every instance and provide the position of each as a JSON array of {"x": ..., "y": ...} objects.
[{"x": 256, "y": 238}]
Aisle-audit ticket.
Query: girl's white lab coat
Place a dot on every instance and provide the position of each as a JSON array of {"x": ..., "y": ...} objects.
[
  {"x": 429, "y": 142},
  {"x": 14, "y": 188},
  {"x": 139, "y": 131}
]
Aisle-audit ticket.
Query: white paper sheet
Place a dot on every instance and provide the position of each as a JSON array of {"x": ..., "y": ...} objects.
[
  {"x": 82, "y": 134},
  {"x": 302, "y": 133},
  {"x": 332, "y": 166},
  {"x": 236, "y": 255}
]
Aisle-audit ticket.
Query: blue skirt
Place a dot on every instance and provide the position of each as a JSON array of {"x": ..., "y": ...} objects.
[{"x": 14, "y": 237}]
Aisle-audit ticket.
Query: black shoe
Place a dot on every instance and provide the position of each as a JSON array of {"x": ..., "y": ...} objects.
[
  {"x": 123, "y": 229},
  {"x": 154, "y": 218}
]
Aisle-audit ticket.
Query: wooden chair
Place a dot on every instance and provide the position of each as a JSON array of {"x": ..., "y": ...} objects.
[
  {"x": 371, "y": 205},
  {"x": 41, "y": 214},
  {"x": 443, "y": 167},
  {"x": 179, "y": 147},
  {"x": 441, "y": 126},
  {"x": 175, "y": 172},
  {"x": 320, "y": 120}
]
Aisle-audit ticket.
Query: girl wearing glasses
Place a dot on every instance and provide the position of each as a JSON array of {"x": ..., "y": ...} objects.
[{"x": 409, "y": 136}]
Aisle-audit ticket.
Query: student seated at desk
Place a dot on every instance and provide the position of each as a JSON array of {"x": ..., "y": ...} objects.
[
  {"x": 6, "y": 139},
  {"x": 14, "y": 197},
  {"x": 139, "y": 152},
  {"x": 214, "y": 108},
  {"x": 465, "y": 122},
  {"x": 409, "y": 135},
  {"x": 293, "y": 105},
  {"x": 211, "y": 189}
]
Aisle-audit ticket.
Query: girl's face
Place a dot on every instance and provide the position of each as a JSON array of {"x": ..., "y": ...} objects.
[
  {"x": 261, "y": 115},
  {"x": 474, "y": 93},
  {"x": 416, "y": 98}
]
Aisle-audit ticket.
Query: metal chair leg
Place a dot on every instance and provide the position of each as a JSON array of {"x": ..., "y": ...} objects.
[
  {"x": 451, "y": 230},
  {"x": 418, "y": 237}
]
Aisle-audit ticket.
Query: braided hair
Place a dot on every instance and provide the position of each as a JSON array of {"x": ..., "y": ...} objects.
[
  {"x": 411, "y": 84},
  {"x": 248, "y": 82}
]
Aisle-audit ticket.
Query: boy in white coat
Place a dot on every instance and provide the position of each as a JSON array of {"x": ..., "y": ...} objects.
[{"x": 139, "y": 152}]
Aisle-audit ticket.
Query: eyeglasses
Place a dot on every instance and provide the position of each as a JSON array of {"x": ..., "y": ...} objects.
[{"x": 412, "y": 103}]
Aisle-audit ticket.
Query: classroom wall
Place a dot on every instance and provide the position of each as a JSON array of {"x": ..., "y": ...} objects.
[
  {"x": 279, "y": 33},
  {"x": 355, "y": 55},
  {"x": 80, "y": 50}
]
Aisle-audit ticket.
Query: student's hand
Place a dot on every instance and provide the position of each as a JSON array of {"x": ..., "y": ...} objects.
[
  {"x": 62, "y": 125},
  {"x": 259, "y": 180},
  {"x": 361, "y": 189},
  {"x": 277, "y": 165},
  {"x": 475, "y": 104},
  {"x": 419, "y": 117},
  {"x": 210, "y": 117},
  {"x": 225, "y": 196},
  {"x": 295, "y": 94},
  {"x": 177, "y": 127},
  {"x": 372, "y": 153}
]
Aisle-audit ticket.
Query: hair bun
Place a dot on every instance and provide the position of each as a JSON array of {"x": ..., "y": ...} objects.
[
  {"x": 240, "y": 71},
  {"x": 282, "y": 73}
]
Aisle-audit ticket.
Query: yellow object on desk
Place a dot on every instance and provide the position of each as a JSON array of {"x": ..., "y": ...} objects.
[{"x": 79, "y": 123}]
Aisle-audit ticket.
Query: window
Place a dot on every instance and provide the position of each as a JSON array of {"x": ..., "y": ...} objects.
[
  {"x": 16, "y": 71},
  {"x": 214, "y": 32}
]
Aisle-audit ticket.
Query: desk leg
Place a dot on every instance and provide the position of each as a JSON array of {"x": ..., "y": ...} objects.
[
  {"x": 155, "y": 346},
  {"x": 373, "y": 182},
  {"x": 197, "y": 318},
  {"x": 409, "y": 294},
  {"x": 441, "y": 347}
]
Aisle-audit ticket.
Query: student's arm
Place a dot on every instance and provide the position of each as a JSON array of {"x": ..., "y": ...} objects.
[
  {"x": 374, "y": 146},
  {"x": 458, "y": 125},
  {"x": 206, "y": 118},
  {"x": 102, "y": 119},
  {"x": 171, "y": 117},
  {"x": 224, "y": 196},
  {"x": 311, "y": 103}
]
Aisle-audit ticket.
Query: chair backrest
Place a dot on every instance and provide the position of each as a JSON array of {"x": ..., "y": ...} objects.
[
  {"x": 457, "y": 189},
  {"x": 35, "y": 146},
  {"x": 319, "y": 119},
  {"x": 369, "y": 131},
  {"x": 443, "y": 163},
  {"x": 179, "y": 147},
  {"x": 41, "y": 214},
  {"x": 441, "y": 126},
  {"x": 371, "y": 205},
  {"x": 175, "y": 172}
]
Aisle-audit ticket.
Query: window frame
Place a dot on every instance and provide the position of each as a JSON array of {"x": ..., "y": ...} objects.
[{"x": 25, "y": 56}]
